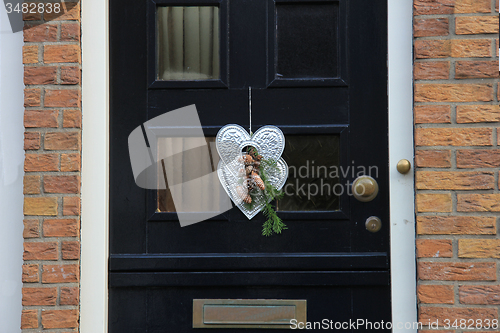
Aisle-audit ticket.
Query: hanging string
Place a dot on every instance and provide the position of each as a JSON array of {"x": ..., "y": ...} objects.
[{"x": 250, "y": 107}]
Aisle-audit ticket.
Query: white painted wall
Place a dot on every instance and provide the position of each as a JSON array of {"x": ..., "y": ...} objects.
[{"x": 11, "y": 175}]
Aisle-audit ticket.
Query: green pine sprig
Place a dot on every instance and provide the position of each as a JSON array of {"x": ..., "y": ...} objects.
[{"x": 273, "y": 224}]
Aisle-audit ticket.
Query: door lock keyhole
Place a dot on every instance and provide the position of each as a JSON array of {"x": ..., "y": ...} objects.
[{"x": 373, "y": 224}]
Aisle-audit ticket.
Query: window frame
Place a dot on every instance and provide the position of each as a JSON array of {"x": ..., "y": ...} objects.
[{"x": 152, "y": 49}]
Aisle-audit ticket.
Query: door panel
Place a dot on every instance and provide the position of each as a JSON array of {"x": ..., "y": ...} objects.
[
  {"x": 326, "y": 257},
  {"x": 166, "y": 305}
]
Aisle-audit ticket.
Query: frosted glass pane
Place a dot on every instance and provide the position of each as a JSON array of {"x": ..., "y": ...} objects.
[
  {"x": 189, "y": 168},
  {"x": 188, "y": 43}
]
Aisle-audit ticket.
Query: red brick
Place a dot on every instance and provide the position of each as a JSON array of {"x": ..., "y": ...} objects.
[
  {"x": 478, "y": 113},
  {"x": 476, "y": 69},
  {"x": 440, "y": 314},
  {"x": 46, "y": 206},
  {"x": 61, "y": 53},
  {"x": 29, "y": 319},
  {"x": 40, "y": 118},
  {"x": 430, "y": 27},
  {"x": 472, "y": 6},
  {"x": 61, "y": 184},
  {"x": 453, "y": 92},
  {"x": 457, "y": 271},
  {"x": 40, "y": 251},
  {"x": 72, "y": 118},
  {"x": 479, "y": 248},
  {"x": 70, "y": 162},
  {"x": 30, "y": 273},
  {"x": 31, "y": 229},
  {"x": 40, "y": 32},
  {"x": 471, "y": 48},
  {"x": 453, "y": 136},
  {"x": 433, "y": 158},
  {"x": 456, "y": 225},
  {"x": 70, "y": 32},
  {"x": 30, "y": 54},
  {"x": 60, "y": 273},
  {"x": 70, "y": 296},
  {"x": 32, "y": 140},
  {"x": 70, "y": 250},
  {"x": 59, "y": 318},
  {"x": 479, "y": 294},
  {"x": 39, "y": 296},
  {"x": 63, "y": 98},
  {"x": 70, "y": 75},
  {"x": 71, "y": 206},
  {"x": 431, "y": 7},
  {"x": 435, "y": 294},
  {"x": 432, "y": 70},
  {"x": 61, "y": 228},
  {"x": 434, "y": 248},
  {"x": 478, "y": 158},
  {"x": 32, "y": 97},
  {"x": 478, "y": 202},
  {"x": 470, "y": 25},
  {"x": 41, "y": 162},
  {"x": 425, "y": 49},
  {"x": 444, "y": 180},
  {"x": 432, "y": 114},
  {"x": 62, "y": 141},
  {"x": 433, "y": 202},
  {"x": 40, "y": 75},
  {"x": 31, "y": 184}
]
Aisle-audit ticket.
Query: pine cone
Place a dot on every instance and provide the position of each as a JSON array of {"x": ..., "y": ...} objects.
[
  {"x": 258, "y": 181},
  {"x": 248, "y": 169},
  {"x": 243, "y": 194},
  {"x": 247, "y": 159}
]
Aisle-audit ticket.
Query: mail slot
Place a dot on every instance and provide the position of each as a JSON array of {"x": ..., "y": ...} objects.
[{"x": 247, "y": 313}]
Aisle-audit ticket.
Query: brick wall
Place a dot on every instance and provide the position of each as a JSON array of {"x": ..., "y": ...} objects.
[
  {"x": 457, "y": 119},
  {"x": 52, "y": 118}
]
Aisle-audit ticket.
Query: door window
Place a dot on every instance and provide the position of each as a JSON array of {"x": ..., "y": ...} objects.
[{"x": 188, "y": 42}]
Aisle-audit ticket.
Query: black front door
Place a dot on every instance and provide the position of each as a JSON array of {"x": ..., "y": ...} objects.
[{"x": 317, "y": 70}]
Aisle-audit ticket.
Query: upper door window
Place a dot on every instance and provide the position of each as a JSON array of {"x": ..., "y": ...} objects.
[
  {"x": 307, "y": 41},
  {"x": 188, "y": 43}
]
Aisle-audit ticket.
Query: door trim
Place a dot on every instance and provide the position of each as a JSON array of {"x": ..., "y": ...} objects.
[
  {"x": 402, "y": 193},
  {"x": 95, "y": 152}
]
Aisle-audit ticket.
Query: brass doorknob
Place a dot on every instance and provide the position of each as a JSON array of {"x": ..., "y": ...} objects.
[
  {"x": 373, "y": 224},
  {"x": 365, "y": 188},
  {"x": 403, "y": 166}
]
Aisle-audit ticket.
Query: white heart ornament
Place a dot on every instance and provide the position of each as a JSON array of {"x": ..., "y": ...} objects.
[{"x": 230, "y": 142}]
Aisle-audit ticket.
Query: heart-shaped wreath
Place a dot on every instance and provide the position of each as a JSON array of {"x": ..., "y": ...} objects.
[{"x": 252, "y": 171}]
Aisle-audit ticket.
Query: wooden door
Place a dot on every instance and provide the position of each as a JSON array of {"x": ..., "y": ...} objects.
[{"x": 318, "y": 71}]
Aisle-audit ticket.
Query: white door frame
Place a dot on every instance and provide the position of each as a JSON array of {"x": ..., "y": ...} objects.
[{"x": 95, "y": 170}]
